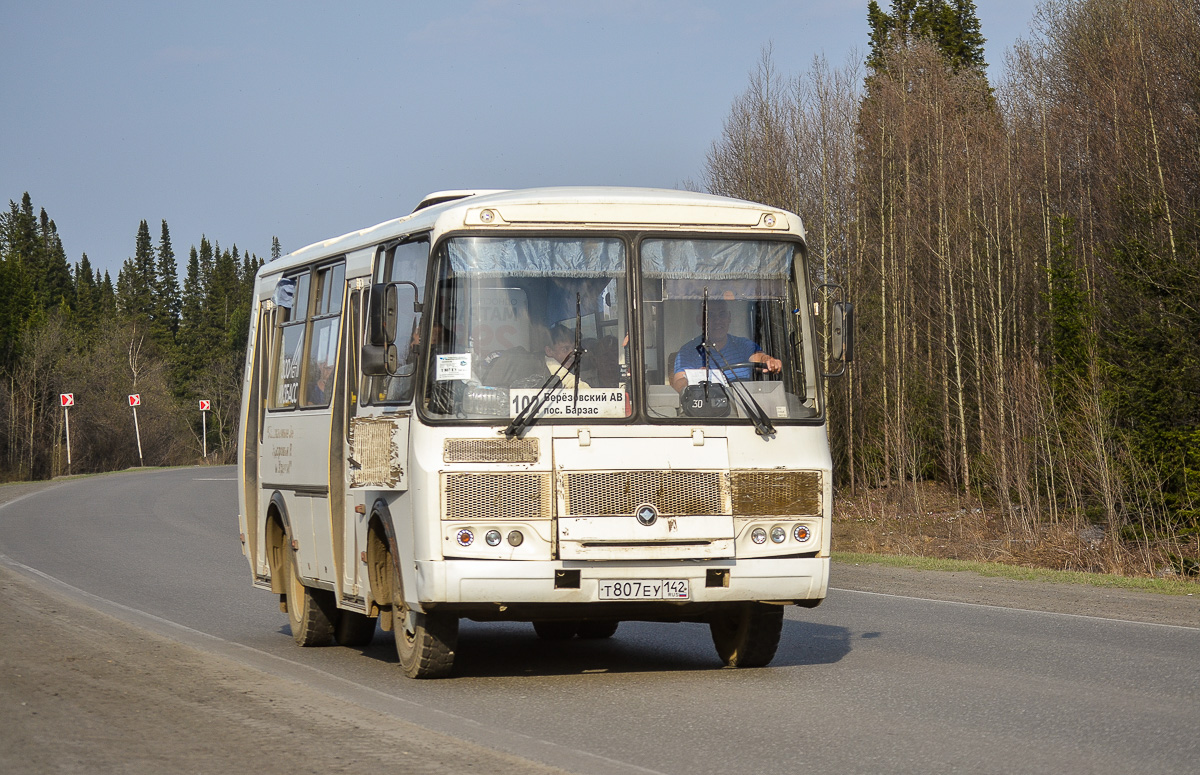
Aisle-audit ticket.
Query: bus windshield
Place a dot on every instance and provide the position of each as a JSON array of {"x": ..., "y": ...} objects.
[
  {"x": 516, "y": 318},
  {"x": 723, "y": 331},
  {"x": 545, "y": 320}
]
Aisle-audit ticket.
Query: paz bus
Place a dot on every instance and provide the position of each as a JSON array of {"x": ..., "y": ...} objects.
[{"x": 565, "y": 406}]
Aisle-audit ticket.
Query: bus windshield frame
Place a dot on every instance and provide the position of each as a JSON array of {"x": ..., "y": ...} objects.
[{"x": 596, "y": 326}]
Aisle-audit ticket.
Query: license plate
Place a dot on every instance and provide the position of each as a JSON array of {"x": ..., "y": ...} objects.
[{"x": 644, "y": 589}]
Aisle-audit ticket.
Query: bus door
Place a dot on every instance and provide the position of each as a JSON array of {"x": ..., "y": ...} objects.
[{"x": 376, "y": 436}]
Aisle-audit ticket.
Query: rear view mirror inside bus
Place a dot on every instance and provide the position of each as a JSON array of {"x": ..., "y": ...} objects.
[{"x": 391, "y": 328}]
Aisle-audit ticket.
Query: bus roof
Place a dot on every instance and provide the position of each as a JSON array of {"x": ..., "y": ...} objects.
[{"x": 559, "y": 207}]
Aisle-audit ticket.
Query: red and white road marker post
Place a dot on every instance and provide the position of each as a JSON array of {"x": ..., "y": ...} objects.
[
  {"x": 135, "y": 401},
  {"x": 67, "y": 400},
  {"x": 205, "y": 407}
]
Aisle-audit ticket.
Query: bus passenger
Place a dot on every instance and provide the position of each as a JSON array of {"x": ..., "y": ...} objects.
[{"x": 562, "y": 344}]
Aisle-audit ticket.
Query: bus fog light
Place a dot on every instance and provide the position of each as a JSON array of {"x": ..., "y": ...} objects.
[
  {"x": 778, "y": 534},
  {"x": 515, "y": 538},
  {"x": 802, "y": 533},
  {"x": 758, "y": 535},
  {"x": 465, "y": 537},
  {"x": 492, "y": 537}
]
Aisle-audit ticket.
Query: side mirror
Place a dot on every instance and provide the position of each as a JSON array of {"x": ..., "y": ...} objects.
[
  {"x": 388, "y": 306},
  {"x": 842, "y": 334},
  {"x": 841, "y": 330}
]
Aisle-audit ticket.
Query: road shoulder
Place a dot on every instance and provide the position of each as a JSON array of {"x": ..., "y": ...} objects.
[
  {"x": 967, "y": 587},
  {"x": 82, "y": 692}
]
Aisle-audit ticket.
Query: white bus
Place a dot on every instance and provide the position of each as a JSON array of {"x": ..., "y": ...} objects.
[{"x": 571, "y": 407}]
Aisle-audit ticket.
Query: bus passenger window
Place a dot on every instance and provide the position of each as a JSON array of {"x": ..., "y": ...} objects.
[
  {"x": 321, "y": 353},
  {"x": 289, "y": 358}
]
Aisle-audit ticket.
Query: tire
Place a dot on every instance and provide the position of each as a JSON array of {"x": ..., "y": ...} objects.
[
  {"x": 311, "y": 612},
  {"x": 749, "y": 635},
  {"x": 556, "y": 630},
  {"x": 597, "y": 629},
  {"x": 354, "y": 629},
  {"x": 426, "y": 648}
]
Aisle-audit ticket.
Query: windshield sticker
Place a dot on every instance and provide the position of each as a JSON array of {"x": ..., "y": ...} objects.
[
  {"x": 453, "y": 366},
  {"x": 593, "y": 402}
]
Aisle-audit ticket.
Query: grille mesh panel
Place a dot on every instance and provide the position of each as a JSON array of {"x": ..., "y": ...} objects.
[
  {"x": 490, "y": 451},
  {"x": 776, "y": 493},
  {"x": 620, "y": 492},
  {"x": 496, "y": 496}
]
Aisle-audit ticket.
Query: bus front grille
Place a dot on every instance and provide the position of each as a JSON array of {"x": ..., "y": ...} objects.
[
  {"x": 776, "y": 493},
  {"x": 490, "y": 451},
  {"x": 613, "y": 493},
  {"x": 513, "y": 495}
]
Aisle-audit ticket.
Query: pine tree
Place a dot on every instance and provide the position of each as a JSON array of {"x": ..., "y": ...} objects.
[
  {"x": 135, "y": 282},
  {"x": 106, "y": 304},
  {"x": 166, "y": 292},
  {"x": 52, "y": 273},
  {"x": 87, "y": 297},
  {"x": 191, "y": 351},
  {"x": 277, "y": 251},
  {"x": 18, "y": 248},
  {"x": 954, "y": 27}
]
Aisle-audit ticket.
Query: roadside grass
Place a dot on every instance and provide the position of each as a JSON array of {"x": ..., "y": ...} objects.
[{"x": 1165, "y": 586}]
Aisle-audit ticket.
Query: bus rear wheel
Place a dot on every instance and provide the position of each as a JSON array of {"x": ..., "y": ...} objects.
[
  {"x": 311, "y": 612},
  {"x": 749, "y": 635},
  {"x": 425, "y": 642}
]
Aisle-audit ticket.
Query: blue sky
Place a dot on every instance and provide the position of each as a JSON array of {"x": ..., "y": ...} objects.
[{"x": 305, "y": 120}]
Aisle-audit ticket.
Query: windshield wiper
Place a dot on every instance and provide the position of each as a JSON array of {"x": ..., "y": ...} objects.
[
  {"x": 762, "y": 423},
  {"x": 577, "y": 352},
  {"x": 529, "y": 414},
  {"x": 526, "y": 416}
]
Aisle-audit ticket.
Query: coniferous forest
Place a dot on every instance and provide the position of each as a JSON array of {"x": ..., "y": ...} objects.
[
  {"x": 71, "y": 329},
  {"x": 1025, "y": 257}
]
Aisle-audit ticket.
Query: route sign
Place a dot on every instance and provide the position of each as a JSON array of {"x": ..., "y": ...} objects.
[
  {"x": 135, "y": 399},
  {"x": 206, "y": 406},
  {"x": 66, "y": 399}
]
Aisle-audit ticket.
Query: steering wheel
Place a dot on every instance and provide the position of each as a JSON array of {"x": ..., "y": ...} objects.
[{"x": 757, "y": 370}]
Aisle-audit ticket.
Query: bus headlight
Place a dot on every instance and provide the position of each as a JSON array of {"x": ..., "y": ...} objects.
[
  {"x": 492, "y": 537},
  {"x": 802, "y": 533},
  {"x": 778, "y": 534},
  {"x": 515, "y": 538},
  {"x": 465, "y": 537},
  {"x": 758, "y": 535}
]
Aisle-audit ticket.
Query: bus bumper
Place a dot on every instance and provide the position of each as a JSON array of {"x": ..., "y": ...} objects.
[{"x": 466, "y": 584}]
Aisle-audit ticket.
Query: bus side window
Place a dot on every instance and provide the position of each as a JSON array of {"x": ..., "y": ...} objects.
[
  {"x": 321, "y": 352},
  {"x": 291, "y": 318}
]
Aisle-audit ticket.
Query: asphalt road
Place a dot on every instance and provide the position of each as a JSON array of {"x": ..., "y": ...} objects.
[{"x": 864, "y": 683}]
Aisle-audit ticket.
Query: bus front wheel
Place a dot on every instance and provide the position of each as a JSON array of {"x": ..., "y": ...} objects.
[
  {"x": 425, "y": 642},
  {"x": 311, "y": 612},
  {"x": 748, "y": 635}
]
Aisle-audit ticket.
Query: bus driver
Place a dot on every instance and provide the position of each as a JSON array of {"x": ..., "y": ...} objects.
[{"x": 730, "y": 348}]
